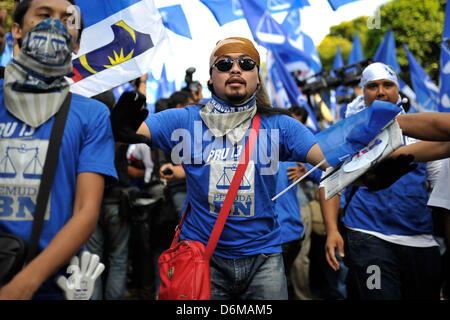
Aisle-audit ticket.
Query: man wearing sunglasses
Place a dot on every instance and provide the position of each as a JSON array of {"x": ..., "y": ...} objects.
[{"x": 247, "y": 262}]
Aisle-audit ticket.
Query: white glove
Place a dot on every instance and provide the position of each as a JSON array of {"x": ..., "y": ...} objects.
[{"x": 80, "y": 284}]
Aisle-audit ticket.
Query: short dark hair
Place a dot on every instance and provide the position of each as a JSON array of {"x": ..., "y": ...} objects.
[
  {"x": 177, "y": 97},
  {"x": 161, "y": 104},
  {"x": 23, "y": 7},
  {"x": 188, "y": 91}
]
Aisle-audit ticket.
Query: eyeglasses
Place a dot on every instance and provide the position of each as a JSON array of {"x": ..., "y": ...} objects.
[{"x": 225, "y": 65}]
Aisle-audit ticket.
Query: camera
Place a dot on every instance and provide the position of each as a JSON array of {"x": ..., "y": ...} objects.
[
  {"x": 348, "y": 76},
  {"x": 188, "y": 77},
  {"x": 190, "y": 83}
]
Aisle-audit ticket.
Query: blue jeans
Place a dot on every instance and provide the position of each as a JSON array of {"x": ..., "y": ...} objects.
[
  {"x": 259, "y": 277},
  {"x": 336, "y": 279},
  {"x": 116, "y": 231},
  {"x": 381, "y": 270}
]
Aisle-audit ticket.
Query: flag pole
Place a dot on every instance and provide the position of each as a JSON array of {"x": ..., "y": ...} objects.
[{"x": 298, "y": 180}]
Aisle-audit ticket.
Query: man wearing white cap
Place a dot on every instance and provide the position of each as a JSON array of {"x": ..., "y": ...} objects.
[
  {"x": 389, "y": 247},
  {"x": 247, "y": 262}
]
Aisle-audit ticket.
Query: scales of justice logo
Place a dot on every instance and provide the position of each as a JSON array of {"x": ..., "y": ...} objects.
[
  {"x": 221, "y": 175},
  {"x": 33, "y": 165},
  {"x": 21, "y": 166}
]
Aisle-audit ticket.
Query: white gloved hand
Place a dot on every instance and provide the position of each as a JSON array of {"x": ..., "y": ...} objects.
[{"x": 80, "y": 285}]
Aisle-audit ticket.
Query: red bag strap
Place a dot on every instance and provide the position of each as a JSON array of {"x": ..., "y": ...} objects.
[
  {"x": 176, "y": 238},
  {"x": 231, "y": 194},
  {"x": 232, "y": 191}
]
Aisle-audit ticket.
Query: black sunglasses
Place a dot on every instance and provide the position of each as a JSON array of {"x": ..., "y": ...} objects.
[{"x": 224, "y": 65}]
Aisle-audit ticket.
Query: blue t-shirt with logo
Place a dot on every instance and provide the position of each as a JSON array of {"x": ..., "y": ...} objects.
[
  {"x": 87, "y": 146},
  {"x": 252, "y": 226}
]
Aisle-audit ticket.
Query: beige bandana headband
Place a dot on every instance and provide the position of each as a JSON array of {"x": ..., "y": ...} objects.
[{"x": 234, "y": 45}]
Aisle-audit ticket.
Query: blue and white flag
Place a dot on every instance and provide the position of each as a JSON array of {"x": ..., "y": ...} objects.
[
  {"x": 275, "y": 85},
  {"x": 335, "y": 4},
  {"x": 122, "y": 40},
  {"x": 309, "y": 60},
  {"x": 292, "y": 26},
  {"x": 427, "y": 93},
  {"x": 292, "y": 23},
  {"x": 444, "y": 81},
  {"x": 271, "y": 35},
  {"x": 230, "y": 10},
  {"x": 174, "y": 19},
  {"x": 348, "y": 136}
]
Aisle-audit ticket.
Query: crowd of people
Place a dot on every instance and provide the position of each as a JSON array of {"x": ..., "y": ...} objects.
[{"x": 126, "y": 177}]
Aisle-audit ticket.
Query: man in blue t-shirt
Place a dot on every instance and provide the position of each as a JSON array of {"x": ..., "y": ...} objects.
[
  {"x": 209, "y": 142},
  {"x": 389, "y": 249},
  {"x": 31, "y": 93}
]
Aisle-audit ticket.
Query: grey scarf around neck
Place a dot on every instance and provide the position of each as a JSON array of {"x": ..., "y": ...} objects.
[
  {"x": 34, "y": 85},
  {"x": 230, "y": 121}
]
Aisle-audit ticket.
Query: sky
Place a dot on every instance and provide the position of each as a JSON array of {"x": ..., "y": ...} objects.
[{"x": 205, "y": 31}]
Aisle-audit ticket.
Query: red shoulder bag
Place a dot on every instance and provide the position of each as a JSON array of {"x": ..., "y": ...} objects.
[{"x": 184, "y": 267}]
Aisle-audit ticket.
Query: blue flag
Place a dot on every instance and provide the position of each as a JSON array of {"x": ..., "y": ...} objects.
[
  {"x": 444, "y": 104},
  {"x": 335, "y": 4},
  {"x": 356, "y": 54},
  {"x": 292, "y": 22},
  {"x": 386, "y": 52},
  {"x": 270, "y": 34},
  {"x": 293, "y": 92},
  {"x": 350, "y": 135},
  {"x": 309, "y": 59},
  {"x": 292, "y": 26},
  {"x": 226, "y": 11},
  {"x": 427, "y": 93},
  {"x": 122, "y": 40},
  {"x": 338, "y": 62},
  {"x": 174, "y": 19},
  {"x": 165, "y": 88}
]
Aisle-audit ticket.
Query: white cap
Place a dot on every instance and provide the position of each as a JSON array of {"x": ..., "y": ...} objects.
[{"x": 378, "y": 71}]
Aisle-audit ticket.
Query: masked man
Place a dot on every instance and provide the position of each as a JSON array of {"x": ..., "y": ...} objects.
[{"x": 31, "y": 93}]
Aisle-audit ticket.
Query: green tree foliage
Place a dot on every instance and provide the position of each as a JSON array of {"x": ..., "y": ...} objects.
[
  {"x": 348, "y": 29},
  {"x": 418, "y": 23},
  {"x": 8, "y": 5},
  {"x": 328, "y": 48}
]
